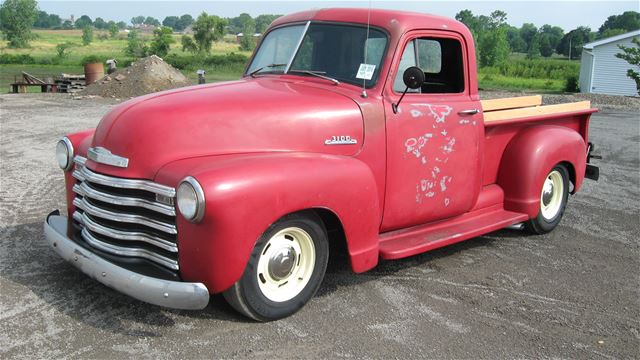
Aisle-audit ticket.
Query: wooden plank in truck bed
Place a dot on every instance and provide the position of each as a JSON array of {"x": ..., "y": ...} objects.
[
  {"x": 511, "y": 103},
  {"x": 505, "y": 115}
]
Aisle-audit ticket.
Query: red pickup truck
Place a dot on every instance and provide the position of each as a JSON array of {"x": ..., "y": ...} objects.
[{"x": 350, "y": 127}]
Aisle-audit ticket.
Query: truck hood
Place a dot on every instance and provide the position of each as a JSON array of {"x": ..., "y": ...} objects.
[{"x": 250, "y": 115}]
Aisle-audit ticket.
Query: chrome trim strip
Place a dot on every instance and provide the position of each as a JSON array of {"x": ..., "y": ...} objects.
[
  {"x": 126, "y": 218},
  {"x": 83, "y": 174},
  {"x": 129, "y": 252},
  {"x": 124, "y": 235},
  {"x": 85, "y": 190},
  {"x": 105, "y": 156},
  {"x": 79, "y": 160},
  {"x": 172, "y": 294},
  {"x": 295, "y": 52}
]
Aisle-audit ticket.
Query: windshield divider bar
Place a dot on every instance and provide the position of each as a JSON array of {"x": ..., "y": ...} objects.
[{"x": 295, "y": 52}]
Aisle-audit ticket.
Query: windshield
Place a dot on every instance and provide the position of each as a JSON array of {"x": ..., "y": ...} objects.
[{"x": 336, "y": 51}]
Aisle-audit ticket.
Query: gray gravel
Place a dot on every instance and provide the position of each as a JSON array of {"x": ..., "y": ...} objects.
[
  {"x": 602, "y": 102},
  {"x": 569, "y": 294}
]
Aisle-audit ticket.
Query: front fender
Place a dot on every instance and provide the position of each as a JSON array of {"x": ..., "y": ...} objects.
[
  {"x": 528, "y": 159},
  {"x": 247, "y": 193}
]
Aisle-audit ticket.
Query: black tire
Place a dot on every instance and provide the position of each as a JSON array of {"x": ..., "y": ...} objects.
[
  {"x": 541, "y": 224},
  {"x": 246, "y": 295}
]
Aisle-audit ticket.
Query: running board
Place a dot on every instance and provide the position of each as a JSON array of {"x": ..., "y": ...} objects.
[{"x": 419, "y": 239}]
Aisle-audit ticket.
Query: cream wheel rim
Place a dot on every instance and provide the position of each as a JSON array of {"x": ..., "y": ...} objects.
[
  {"x": 286, "y": 264},
  {"x": 551, "y": 195}
]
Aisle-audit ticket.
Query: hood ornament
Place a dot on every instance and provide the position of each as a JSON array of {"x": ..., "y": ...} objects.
[{"x": 104, "y": 156}]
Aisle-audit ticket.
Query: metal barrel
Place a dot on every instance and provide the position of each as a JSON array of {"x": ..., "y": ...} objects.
[{"x": 93, "y": 72}]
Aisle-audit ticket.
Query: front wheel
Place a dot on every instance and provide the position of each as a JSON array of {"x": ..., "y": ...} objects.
[
  {"x": 553, "y": 201},
  {"x": 285, "y": 269}
]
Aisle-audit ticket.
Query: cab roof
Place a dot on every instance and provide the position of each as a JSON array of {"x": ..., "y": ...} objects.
[{"x": 395, "y": 22}]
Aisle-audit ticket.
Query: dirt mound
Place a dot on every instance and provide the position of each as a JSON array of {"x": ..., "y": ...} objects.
[{"x": 145, "y": 76}]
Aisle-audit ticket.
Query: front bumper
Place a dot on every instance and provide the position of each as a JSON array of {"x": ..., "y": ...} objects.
[{"x": 171, "y": 294}]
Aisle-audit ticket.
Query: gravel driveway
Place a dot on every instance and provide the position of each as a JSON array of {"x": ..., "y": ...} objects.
[{"x": 569, "y": 294}]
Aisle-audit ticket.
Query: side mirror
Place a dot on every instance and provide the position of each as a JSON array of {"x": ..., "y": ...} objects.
[{"x": 413, "y": 78}]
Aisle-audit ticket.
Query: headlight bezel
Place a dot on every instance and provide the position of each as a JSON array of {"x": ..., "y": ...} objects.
[
  {"x": 199, "y": 200},
  {"x": 70, "y": 153}
]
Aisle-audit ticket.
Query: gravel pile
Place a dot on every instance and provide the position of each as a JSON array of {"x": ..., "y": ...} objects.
[
  {"x": 145, "y": 76},
  {"x": 602, "y": 102}
]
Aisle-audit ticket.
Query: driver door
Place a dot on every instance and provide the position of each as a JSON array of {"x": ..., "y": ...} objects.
[{"x": 434, "y": 138}]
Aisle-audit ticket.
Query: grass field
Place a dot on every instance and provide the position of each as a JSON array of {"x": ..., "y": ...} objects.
[{"x": 542, "y": 75}]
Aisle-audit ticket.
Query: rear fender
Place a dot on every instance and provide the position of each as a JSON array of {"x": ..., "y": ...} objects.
[
  {"x": 247, "y": 193},
  {"x": 530, "y": 156}
]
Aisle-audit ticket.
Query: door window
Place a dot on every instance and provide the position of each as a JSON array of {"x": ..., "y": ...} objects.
[{"x": 441, "y": 61}]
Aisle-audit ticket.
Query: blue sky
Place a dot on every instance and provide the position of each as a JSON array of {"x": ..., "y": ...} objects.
[{"x": 566, "y": 14}]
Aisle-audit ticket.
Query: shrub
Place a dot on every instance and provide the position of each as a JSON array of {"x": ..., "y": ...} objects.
[
  {"x": 87, "y": 35},
  {"x": 571, "y": 84},
  {"x": 16, "y": 59},
  {"x": 92, "y": 59}
]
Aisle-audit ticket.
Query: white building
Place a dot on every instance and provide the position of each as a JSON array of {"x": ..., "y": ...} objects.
[{"x": 601, "y": 72}]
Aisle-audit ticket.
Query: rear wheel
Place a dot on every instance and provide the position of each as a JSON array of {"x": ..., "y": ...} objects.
[
  {"x": 553, "y": 201},
  {"x": 285, "y": 269}
]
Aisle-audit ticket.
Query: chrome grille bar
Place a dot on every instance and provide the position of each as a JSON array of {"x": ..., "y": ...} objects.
[
  {"x": 83, "y": 174},
  {"x": 129, "y": 251},
  {"x": 83, "y": 204},
  {"x": 93, "y": 226},
  {"x": 85, "y": 190}
]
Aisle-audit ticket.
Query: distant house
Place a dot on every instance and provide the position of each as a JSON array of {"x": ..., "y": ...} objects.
[
  {"x": 601, "y": 72},
  {"x": 256, "y": 37}
]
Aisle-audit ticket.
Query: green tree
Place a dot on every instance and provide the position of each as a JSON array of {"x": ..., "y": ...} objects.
[
  {"x": 137, "y": 20},
  {"x": 534, "y": 48},
  {"x": 67, "y": 25},
  {"x": 572, "y": 42},
  {"x": 206, "y": 30},
  {"x": 121, "y": 25},
  {"x": 236, "y": 24},
  {"x": 136, "y": 47},
  {"x": 170, "y": 21},
  {"x": 83, "y": 22},
  {"x": 494, "y": 46},
  {"x": 527, "y": 32},
  {"x": 263, "y": 22},
  {"x": 162, "y": 40},
  {"x": 627, "y": 21},
  {"x": 185, "y": 21},
  {"x": 546, "y": 47},
  {"x": 87, "y": 35},
  {"x": 99, "y": 23},
  {"x": 516, "y": 44},
  {"x": 611, "y": 32},
  {"x": 247, "y": 43},
  {"x": 113, "y": 29},
  {"x": 16, "y": 19},
  {"x": 631, "y": 55},
  {"x": 47, "y": 21},
  {"x": 151, "y": 21}
]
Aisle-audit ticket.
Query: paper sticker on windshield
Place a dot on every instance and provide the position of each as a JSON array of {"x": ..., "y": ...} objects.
[{"x": 366, "y": 71}]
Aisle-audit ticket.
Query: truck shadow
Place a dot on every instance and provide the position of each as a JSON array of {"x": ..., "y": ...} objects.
[
  {"x": 27, "y": 260},
  {"x": 28, "y": 265}
]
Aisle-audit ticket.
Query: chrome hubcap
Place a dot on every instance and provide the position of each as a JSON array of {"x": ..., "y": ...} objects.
[
  {"x": 547, "y": 192},
  {"x": 551, "y": 195},
  {"x": 281, "y": 262},
  {"x": 286, "y": 264}
]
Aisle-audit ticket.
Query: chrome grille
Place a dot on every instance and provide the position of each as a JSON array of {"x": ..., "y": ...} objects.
[{"x": 122, "y": 216}]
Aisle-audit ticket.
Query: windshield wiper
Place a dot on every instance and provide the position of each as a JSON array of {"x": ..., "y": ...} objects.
[
  {"x": 317, "y": 74},
  {"x": 254, "y": 72}
]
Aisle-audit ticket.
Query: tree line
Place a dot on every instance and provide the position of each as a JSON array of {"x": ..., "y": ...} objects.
[{"x": 496, "y": 39}]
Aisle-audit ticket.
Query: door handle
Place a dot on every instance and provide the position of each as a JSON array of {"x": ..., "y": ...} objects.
[{"x": 468, "y": 112}]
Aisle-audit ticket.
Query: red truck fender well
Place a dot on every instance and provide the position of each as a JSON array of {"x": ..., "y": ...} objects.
[
  {"x": 216, "y": 250},
  {"x": 529, "y": 157}
]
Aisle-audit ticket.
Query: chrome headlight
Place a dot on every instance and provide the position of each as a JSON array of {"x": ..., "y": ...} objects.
[
  {"x": 190, "y": 198},
  {"x": 64, "y": 154}
]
